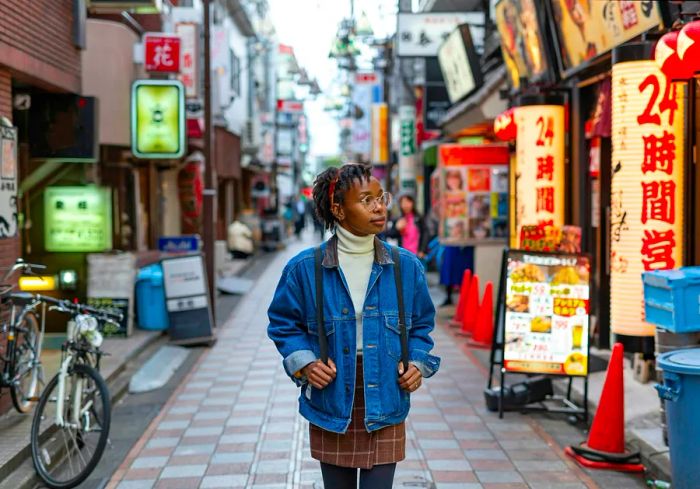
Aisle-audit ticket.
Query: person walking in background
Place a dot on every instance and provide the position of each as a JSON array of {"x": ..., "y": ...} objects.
[
  {"x": 455, "y": 260},
  {"x": 408, "y": 228},
  {"x": 239, "y": 240},
  {"x": 356, "y": 413}
]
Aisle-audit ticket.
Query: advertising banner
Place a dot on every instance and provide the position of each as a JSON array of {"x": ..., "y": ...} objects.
[
  {"x": 587, "y": 28},
  {"x": 547, "y": 313},
  {"x": 522, "y": 42},
  {"x": 363, "y": 91},
  {"x": 647, "y": 190}
]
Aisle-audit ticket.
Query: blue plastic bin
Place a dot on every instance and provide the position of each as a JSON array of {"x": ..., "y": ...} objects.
[
  {"x": 681, "y": 391},
  {"x": 150, "y": 299},
  {"x": 672, "y": 299}
]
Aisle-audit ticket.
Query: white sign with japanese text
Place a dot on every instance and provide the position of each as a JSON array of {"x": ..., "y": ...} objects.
[
  {"x": 189, "y": 65},
  {"x": 8, "y": 182},
  {"x": 421, "y": 34}
]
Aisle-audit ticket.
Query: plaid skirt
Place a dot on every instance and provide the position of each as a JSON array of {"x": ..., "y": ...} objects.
[{"x": 358, "y": 448}]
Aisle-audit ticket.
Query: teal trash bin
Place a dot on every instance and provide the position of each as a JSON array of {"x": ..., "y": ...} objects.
[
  {"x": 151, "y": 313},
  {"x": 681, "y": 392}
]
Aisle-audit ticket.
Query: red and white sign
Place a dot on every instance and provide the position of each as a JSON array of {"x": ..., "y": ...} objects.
[
  {"x": 161, "y": 53},
  {"x": 189, "y": 65},
  {"x": 290, "y": 106}
]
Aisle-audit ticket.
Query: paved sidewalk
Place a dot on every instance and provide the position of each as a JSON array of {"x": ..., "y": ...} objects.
[{"x": 233, "y": 424}]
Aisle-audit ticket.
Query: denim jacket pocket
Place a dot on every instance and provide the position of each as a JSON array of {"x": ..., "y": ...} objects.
[
  {"x": 321, "y": 398},
  {"x": 392, "y": 335}
]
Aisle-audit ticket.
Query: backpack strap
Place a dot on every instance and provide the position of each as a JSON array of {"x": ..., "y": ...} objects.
[
  {"x": 322, "y": 339},
  {"x": 402, "y": 313}
]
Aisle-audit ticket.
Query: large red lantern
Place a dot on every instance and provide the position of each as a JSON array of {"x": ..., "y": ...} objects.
[
  {"x": 688, "y": 47},
  {"x": 666, "y": 57},
  {"x": 505, "y": 127}
]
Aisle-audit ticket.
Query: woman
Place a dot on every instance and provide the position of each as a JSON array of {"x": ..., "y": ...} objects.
[
  {"x": 356, "y": 414},
  {"x": 408, "y": 229},
  {"x": 455, "y": 260}
]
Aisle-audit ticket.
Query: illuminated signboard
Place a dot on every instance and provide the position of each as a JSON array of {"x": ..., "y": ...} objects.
[
  {"x": 539, "y": 169},
  {"x": 522, "y": 43},
  {"x": 77, "y": 219},
  {"x": 473, "y": 193},
  {"x": 380, "y": 117},
  {"x": 646, "y": 215},
  {"x": 547, "y": 313},
  {"x": 588, "y": 28},
  {"x": 157, "y": 119}
]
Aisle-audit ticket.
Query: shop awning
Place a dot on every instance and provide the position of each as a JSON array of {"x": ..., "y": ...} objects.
[{"x": 482, "y": 106}]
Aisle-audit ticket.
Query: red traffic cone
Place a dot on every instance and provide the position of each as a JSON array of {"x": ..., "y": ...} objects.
[
  {"x": 471, "y": 307},
  {"x": 605, "y": 448},
  {"x": 456, "y": 320},
  {"x": 483, "y": 330}
]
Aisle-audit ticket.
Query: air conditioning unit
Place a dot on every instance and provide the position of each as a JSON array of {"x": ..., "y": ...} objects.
[{"x": 251, "y": 138}]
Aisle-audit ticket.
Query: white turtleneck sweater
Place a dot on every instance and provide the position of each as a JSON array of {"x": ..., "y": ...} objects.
[{"x": 356, "y": 256}]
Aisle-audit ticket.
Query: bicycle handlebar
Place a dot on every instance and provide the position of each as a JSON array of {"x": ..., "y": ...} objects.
[{"x": 71, "y": 307}]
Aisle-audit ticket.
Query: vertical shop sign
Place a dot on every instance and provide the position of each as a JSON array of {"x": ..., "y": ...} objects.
[
  {"x": 539, "y": 174},
  {"x": 380, "y": 151},
  {"x": 8, "y": 182},
  {"x": 362, "y": 97},
  {"x": 646, "y": 217},
  {"x": 407, "y": 156},
  {"x": 189, "y": 65}
]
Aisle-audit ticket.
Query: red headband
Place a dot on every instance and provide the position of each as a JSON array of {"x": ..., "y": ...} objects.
[{"x": 331, "y": 189}]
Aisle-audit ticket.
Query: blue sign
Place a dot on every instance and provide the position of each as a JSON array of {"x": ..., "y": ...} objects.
[{"x": 179, "y": 244}]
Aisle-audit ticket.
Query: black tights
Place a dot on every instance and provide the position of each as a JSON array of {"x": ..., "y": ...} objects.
[{"x": 378, "y": 477}]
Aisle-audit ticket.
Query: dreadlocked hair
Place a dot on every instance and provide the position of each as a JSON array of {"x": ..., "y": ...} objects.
[{"x": 339, "y": 180}]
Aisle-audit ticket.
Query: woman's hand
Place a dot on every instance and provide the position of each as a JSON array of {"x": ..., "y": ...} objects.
[
  {"x": 411, "y": 380},
  {"x": 401, "y": 224},
  {"x": 319, "y": 374}
]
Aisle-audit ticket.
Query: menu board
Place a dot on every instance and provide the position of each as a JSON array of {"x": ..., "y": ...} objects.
[
  {"x": 473, "y": 194},
  {"x": 547, "y": 304}
]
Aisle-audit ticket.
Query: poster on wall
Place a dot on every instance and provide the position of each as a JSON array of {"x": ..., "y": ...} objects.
[
  {"x": 588, "y": 28},
  {"x": 473, "y": 193},
  {"x": 647, "y": 188},
  {"x": 522, "y": 43},
  {"x": 547, "y": 301},
  {"x": 8, "y": 182}
]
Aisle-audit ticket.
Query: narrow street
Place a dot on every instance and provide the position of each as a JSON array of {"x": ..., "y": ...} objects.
[{"x": 232, "y": 423}]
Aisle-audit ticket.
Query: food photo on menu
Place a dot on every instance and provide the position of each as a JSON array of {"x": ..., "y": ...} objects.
[{"x": 546, "y": 317}]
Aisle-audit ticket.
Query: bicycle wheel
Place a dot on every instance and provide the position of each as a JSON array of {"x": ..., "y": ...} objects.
[
  {"x": 64, "y": 456},
  {"x": 26, "y": 365}
]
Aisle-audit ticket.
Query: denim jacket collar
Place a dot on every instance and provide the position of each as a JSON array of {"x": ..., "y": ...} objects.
[{"x": 330, "y": 257}]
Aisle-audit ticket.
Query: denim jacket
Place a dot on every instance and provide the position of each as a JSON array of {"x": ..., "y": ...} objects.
[{"x": 294, "y": 330}]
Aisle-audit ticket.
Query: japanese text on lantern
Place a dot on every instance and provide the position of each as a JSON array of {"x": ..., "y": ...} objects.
[
  {"x": 646, "y": 211},
  {"x": 539, "y": 176},
  {"x": 659, "y": 194}
]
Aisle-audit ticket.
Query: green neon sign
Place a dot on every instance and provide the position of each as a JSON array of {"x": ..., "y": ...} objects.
[
  {"x": 77, "y": 219},
  {"x": 157, "y": 119}
]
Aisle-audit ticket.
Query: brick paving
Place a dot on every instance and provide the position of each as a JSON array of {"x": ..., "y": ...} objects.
[{"x": 233, "y": 424}]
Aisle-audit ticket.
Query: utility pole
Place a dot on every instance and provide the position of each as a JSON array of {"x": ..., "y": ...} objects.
[{"x": 209, "y": 184}]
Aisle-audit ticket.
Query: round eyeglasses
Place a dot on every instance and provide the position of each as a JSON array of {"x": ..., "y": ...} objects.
[{"x": 370, "y": 203}]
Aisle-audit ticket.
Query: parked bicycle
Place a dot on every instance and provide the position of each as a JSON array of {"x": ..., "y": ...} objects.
[
  {"x": 22, "y": 372},
  {"x": 71, "y": 422}
]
